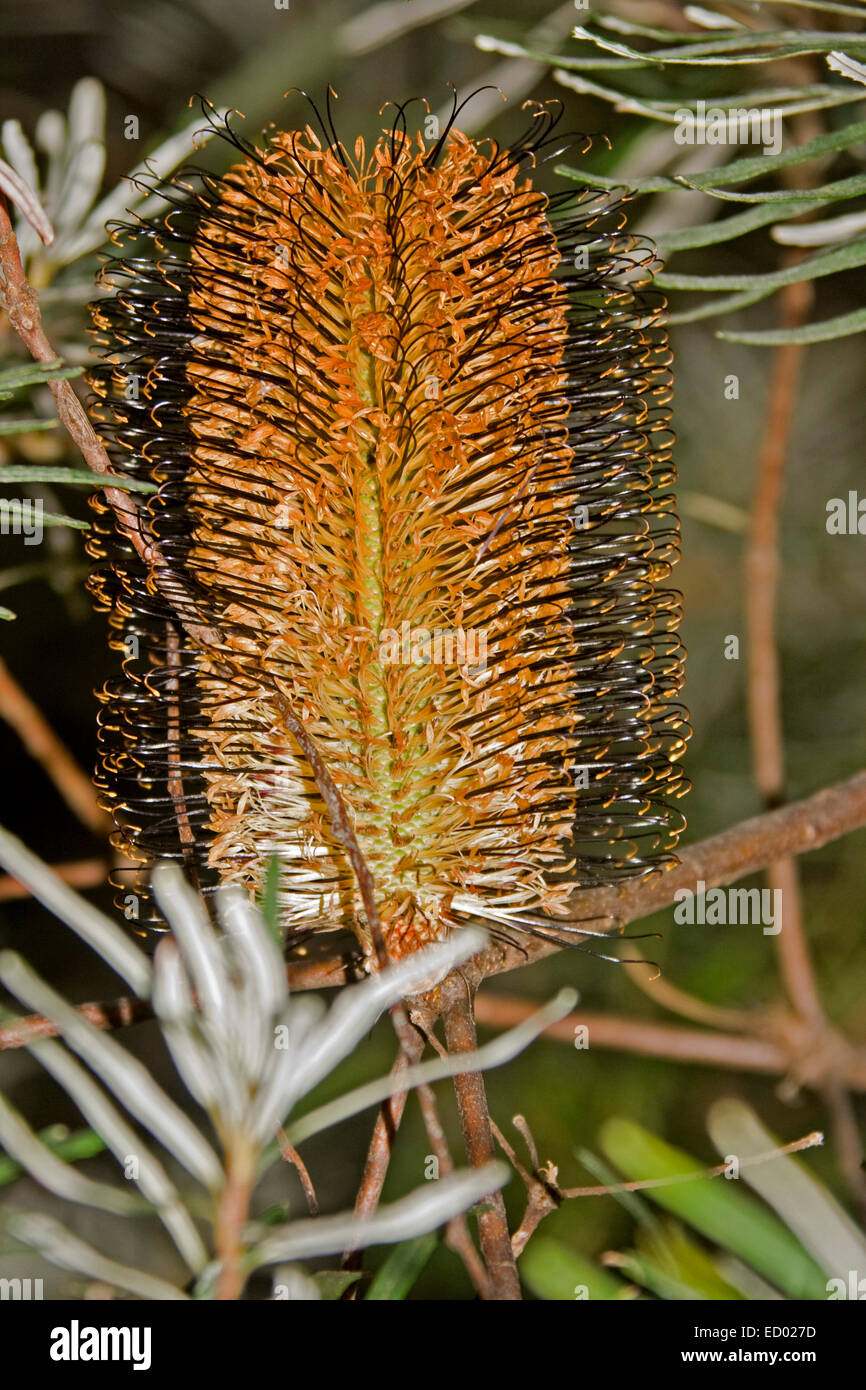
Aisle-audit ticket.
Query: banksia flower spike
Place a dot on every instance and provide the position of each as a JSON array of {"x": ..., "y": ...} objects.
[{"x": 408, "y": 416}]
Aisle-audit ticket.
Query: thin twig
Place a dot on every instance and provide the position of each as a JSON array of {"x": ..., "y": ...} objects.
[
  {"x": 43, "y": 744},
  {"x": 291, "y": 1155},
  {"x": 542, "y": 1193},
  {"x": 22, "y": 306},
  {"x": 78, "y": 873},
  {"x": 809, "y": 1141},
  {"x": 678, "y": 1001},
  {"x": 380, "y": 1149},
  {"x": 457, "y": 1236},
  {"x": 478, "y": 1138},
  {"x": 743, "y": 849},
  {"x": 764, "y": 701},
  {"x": 779, "y": 1045},
  {"x": 116, "y": 1013}
]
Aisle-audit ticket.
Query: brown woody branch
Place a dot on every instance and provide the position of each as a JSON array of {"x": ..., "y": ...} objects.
[
  {"x": 457, "y": 1016},
  {"x": 724, "y": 858},
  {"x": 779, "y": 1045}
]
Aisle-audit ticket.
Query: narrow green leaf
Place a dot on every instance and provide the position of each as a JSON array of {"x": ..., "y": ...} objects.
[
  {"x": 268, "y": 904},
  {"x": 83, "y": 1143},
  {"x": 559, "y": 1275},
  {"x": 815, "y": 98},
  {"x": 743, "y": 170},
  {"x": 26, "y": 426},
  {"x": 828, "y": 262},
  {"x": 824, "y": 332},
  {"x": 672, "y": 1265},
  {"x": 753, "y": 167},
  {"x": 851, "y": 187},
  {"x": 74, "y": 477},
  {"x": 333, "y": 1283},
  {"x": 718, "y": 1209},
  {"x": 709, "y": 309},
  {"x": 728, "y": 228},
  {"x": 395, "y": 1278},
  {"x": 746, "y": 46},
  {"x": 12, "y": 379}
]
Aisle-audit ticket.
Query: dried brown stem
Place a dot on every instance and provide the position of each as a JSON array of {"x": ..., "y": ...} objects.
[
  {"x": 542, "y": 1193},
  {"x": 22, "y": 306},
  {"x": 721, "y": 859},
  {"x": 724, "y": 858},
  {"x": 764, "y": 701},
  {"x": 291, "y": 1155},
  {"x": 809, "y": 1141},
  {"x": 778, "y": 1045},
  {"x": 117, "y": 1013},
  {"x": 478, "y": 1138},
  {"x": 457, "y": 1236},
  {"x": 381, "y": 1147}
]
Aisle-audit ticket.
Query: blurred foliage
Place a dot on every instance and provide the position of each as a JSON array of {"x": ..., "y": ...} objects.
[{"x": 798, "y": 213}]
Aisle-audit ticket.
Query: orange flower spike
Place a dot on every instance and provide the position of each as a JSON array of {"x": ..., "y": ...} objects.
[{"x": 417, "y": 476}]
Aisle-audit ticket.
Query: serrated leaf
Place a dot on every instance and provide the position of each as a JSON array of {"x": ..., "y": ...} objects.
[{"x": 840, "y": 62}]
